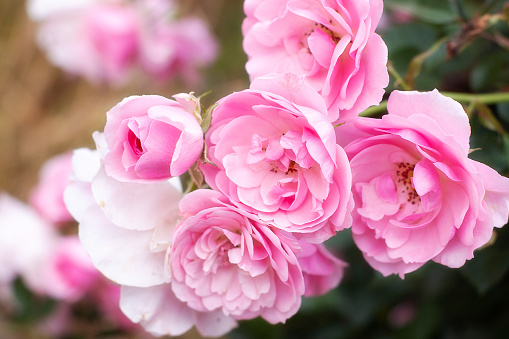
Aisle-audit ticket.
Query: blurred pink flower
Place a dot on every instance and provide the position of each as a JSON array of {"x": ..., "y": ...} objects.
[
  {"x": 107, "y": 298},
  {"x": 64, "y": 273},
  {"x": 181, "y": 47},
  {"x": 418, "y": 196},
  {"x": 95, "y": 40},
  {"x": 106, "y": 41},
  {"x": 152, "y": 138},
  {"x": 47, "y": 197},
  {"x": 224, "y": 259},
  {"x": 25, "y": 238},
  {"x": 332, "y": 42},
  {"x": 322, "y": 271},
  {"x": 274, "y": 154}
]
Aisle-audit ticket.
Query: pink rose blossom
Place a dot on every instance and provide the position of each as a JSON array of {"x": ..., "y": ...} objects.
[
  {"x": 92, "y": 39},
  {"x": 180, "y": 47},
  {"x": 125, "y": 227},
  {"x": 64, "y": 273},
  {"x": 322, "y": 271},
  {"x": 418, "y": 196},
  {"x": 275, "y": 155},
  {"x": 332, "y": 42},
  {"x": 25, "y": 238},
  {"x": 158, "y": 310},
  {"x": 48, "y": 196},
  {"x": 113, "y": 33},
  {"x": 152, "y": 138},
  {"x": 107, "y": 297},
  {"x": 107, "y": 41},
  {"x": 224, "y": 259}
]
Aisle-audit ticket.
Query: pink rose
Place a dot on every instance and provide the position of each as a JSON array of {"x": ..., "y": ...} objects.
[
  {"x": 181, "y": 47},
  {"x": 113, "y": 34},
  {"x": 25, "y": 238},
  {"x": 322, "y": 271},
  {"x": 418, "y": 196},
  {"x": 332, "y": 42},
  {"x": 152, "y": 138},
  {"x": 48, "y": 196},
  {"x": 65, "y": 272},
  {"x": 275, "y": 155},
  {"x": 94, "y": 40},
  {"x": 224, "y": 259}
]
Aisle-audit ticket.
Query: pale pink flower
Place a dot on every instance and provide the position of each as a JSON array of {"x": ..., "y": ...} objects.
[
  {"x": 107, "y": 298},
  {"x": 158, "y": 310},
  {"x": 224, "y": 259},
  {"x": 47, "y": 197},
  {"x": 106, "y": 41},
  {"x": 180, "y": 47},
  {"x": 322, "y": 271},
  {"x": 25, "y": 238},
  {"x": 126, "y": 228},
  {"x": 418, "y": 196},
  {"x": 65, "y": 272},
  {"x": 152, "y": 138},
  {"x": 95, "y": 39},
  {"x": 332, "y": 42},
  {"x": 275, "y": 155}
]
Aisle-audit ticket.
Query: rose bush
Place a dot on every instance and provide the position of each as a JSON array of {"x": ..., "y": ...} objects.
[
  {"x": 332, "y": 42},
  {"x": 418, "y": 196},
  {"x": 274, "y": 154},
  {"x": 152, "y": 138}
]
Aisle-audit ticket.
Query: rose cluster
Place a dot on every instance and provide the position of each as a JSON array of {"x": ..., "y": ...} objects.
[
  {"x": 209, "y": 217},
  {"x": 106, "y": 41}
]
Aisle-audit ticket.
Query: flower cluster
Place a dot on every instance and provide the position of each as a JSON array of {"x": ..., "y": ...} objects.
[
  {"x": 287, "y": 164},
  {"x": 104, "y": 41},
  {"x": 204, "y": 258}
]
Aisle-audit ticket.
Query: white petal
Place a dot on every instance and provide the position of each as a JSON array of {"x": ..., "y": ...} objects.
[
  {"x": 135, "y": 206},
  {"x": 122, "y": 255},
  {"x": 157, "y": 309}
]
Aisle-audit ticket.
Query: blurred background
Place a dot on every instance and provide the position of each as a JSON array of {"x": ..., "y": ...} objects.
[{"x": 453, "y": 45}]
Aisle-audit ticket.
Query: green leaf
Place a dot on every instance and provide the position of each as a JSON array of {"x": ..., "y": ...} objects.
[
  {"x": 32, "y": 307},
  {"x": 487, "y": 268},
  {"x": 438, "y": 14}
]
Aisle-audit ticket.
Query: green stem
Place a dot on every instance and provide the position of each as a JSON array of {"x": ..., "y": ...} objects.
[
  {"x": 399, "y": 81},
  {"x": 487, "y": 98},
  {"x": 374, "y": 110}
]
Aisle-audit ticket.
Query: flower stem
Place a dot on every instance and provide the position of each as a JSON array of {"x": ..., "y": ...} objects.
[
  {"x": 398, "y": 80},
  {"x": 487, "y": 98}
]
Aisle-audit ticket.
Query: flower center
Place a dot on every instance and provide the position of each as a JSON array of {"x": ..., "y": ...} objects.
[
  {"x": 135, "y": 143},
  {"x": 334, "y": 35},
  {"x": 403, "y": 180}
]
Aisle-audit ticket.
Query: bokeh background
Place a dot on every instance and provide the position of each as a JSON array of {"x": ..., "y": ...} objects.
[{"x": 453, "y": 45}]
